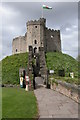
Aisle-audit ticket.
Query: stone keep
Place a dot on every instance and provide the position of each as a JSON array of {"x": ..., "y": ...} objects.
[{"x": 37, "y": 35}]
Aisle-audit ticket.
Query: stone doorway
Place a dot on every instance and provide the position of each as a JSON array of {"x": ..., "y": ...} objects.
[{"x": 35, "y": 50}]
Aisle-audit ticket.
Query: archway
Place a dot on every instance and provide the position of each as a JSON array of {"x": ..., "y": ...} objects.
[
  {"x": 35, "y": 42},
  {"x": 35, "y": 50}
]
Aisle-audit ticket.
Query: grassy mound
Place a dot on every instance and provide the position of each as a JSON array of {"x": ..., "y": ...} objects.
[
  {"x": 17, "y": 103},
  {"x": 58, "y": 61},
  {"x": 10, "y": 67},
  {"x": 55, "y": 61}
]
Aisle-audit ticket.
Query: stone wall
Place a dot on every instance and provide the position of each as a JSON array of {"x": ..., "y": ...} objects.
[
  {"x": 30, "y": 58},
  {"x": 53, "y": 41},
  {"x": 37, "y": 35},
  {"x": 19, "y": 45},
  {"x": 43, "y": 68},
  {"x": 71, "y": 91},
  {"x": 35, "y": 32}
]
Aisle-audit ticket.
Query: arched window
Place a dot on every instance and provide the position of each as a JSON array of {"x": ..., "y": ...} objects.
[
  {"x": 35, "y": 42},
  {"x": 16, "y": 50},
  {"x": 35, "y": 26},
  {"x": 35, "y": 50},
  {"x": 41, "y": 43}
]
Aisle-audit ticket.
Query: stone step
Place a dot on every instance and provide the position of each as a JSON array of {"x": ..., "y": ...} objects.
[{"x": 39, "y": 81}]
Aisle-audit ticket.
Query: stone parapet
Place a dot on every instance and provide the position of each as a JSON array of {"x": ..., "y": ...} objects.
[
  {"x": 71, "y": 91},
  {"x": 37, "y": 35},
  {"x": 36, "y": 22}
]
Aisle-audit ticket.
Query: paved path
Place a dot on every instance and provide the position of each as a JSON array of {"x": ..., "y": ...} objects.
[
  {"x": 39, "y": 81},
  {"x": 55, "y": 105}
]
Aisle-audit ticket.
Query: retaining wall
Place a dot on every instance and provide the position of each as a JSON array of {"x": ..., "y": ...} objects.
[{"x": 71, "y": 91}]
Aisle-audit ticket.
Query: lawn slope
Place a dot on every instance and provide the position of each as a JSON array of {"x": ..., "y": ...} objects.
[
  {"x": 54, "y": 60},
  {"x": 10, "y": 67},
  {"x": 58, "y": 61}
]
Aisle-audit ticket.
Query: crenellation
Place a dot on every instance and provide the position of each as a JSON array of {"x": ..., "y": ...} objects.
[
  {"x": 52, "y": 30},
  {"x": 15, "y": 38},
  {"x": 18, "y": 45},
  {"x": 37, "y": 35},
  {"x": 41, "y": 21}
]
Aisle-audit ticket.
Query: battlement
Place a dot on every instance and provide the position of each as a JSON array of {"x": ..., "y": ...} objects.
[
  {"x": 20, "y": 37},
  {"x": 37, "y": 22},
  {"x": 52, "y": 30},
  {"x": 37, "y": 35}
]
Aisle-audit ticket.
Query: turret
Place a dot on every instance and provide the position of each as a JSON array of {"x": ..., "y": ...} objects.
[{"x": 35, "y": 34}]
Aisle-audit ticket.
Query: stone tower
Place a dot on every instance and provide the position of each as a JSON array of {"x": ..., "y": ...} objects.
[{"x": 35, "y": 34}]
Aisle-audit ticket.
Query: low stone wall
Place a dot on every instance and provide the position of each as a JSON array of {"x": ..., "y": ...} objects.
[{"x": 71, "y": 91}]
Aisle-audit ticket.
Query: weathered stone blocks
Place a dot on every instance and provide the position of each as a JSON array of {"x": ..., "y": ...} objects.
[{"x": 37, "y": 31}]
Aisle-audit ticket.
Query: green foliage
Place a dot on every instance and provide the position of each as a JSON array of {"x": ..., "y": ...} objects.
[
  {"x": 54, "y": 81},
  {"x": 55, "y": 60},
  {"x": 67, "y": 79},
  {"x": 78, "y": 58},
  {"x": 10, "y": 67},
  {"x": 17, "y": 103},
  {"x": 58, "y": 61}
]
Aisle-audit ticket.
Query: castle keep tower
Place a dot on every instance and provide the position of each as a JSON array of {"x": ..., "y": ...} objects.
[{"x": 37, "y": 35}]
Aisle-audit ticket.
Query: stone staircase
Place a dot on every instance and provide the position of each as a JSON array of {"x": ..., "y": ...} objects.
[
  {"x": 30, "y": 57},
  {"x": 39, "y": 69},
  {"x": 39, "y": 82},
  {"x": 43, "y": 68}
]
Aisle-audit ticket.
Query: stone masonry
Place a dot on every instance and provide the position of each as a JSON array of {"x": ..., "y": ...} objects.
[
  {"x": 43, "y": 68},
  {"x": 55, "y": 106},
  {"x": 37, "y": 41},
  {"x": 37, "y": 35}
]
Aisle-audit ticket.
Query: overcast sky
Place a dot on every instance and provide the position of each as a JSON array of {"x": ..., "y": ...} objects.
[{"x": 63, "y": 16}]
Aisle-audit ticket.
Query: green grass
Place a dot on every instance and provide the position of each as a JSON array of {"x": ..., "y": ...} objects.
[
  {"x": 54, "y": 60},
  {"x": 17, "y": 103},
  {"x": 58, "y": 61},
  {"x": 10, "y": 67},
  {"x": 66, "y": 79}
]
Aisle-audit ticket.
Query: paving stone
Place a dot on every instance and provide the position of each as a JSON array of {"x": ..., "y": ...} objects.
[
  {"x": 44, "y": 113},
  {"x": 55, "y": 105}
]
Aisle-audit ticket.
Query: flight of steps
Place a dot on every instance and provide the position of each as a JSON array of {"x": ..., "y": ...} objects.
[
  {"x": 39, "y": 69},
  {"x": 30, "y": 57},
  {"x": 43, "y": 68}
]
